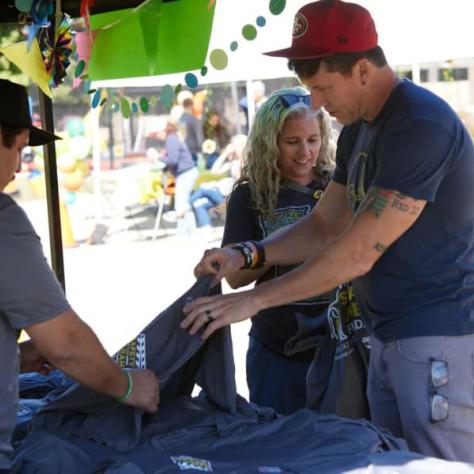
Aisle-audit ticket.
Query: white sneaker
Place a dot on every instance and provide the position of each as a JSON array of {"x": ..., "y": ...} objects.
[{"x": 170, "y": 216}]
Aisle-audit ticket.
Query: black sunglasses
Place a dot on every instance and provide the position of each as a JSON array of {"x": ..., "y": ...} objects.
[{"x": 287, "y": 100}]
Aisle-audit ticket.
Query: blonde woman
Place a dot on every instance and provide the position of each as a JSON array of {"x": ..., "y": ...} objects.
[{"x": 287, "y": 164}]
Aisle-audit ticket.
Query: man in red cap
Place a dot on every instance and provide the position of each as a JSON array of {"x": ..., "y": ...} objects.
[
  {"x": 32, "y": 299},
  {"x": 397, "y": 219}
]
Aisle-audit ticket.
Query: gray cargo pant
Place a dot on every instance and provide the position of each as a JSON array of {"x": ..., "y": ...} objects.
[{"x": 401, "y": 390}]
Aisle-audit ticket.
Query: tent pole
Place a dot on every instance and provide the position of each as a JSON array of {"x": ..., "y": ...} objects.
[
  {"x": 235, "y": 106},
  {"x": 250, "y": 103},
  {"x": 416, "y": 73},
  {"x": 52, "y": 192},
  {"x": 96, "y": 163}
]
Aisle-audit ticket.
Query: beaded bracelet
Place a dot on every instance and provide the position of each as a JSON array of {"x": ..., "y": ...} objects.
[{"x": 127, "y": 394}]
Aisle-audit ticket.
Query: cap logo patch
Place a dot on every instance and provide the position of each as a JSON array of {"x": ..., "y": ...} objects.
[{"x": 300, "y": 25}]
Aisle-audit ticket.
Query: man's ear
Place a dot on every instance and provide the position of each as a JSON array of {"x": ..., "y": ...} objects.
[{"x": 363, "y": 70}]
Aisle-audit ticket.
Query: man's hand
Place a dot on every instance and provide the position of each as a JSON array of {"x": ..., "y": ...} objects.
[
  {"x": 220, "y": 263},
  {"x": 146, "y": 391},
  {"x": 214, "y": 312},
  {"x": 31, "y": 360}
]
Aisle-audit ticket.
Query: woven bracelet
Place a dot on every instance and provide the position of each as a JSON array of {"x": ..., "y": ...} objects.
[
  {"x": 127, "y": 394},
  {"x": 260, "y": 260},
  {"x": 253, "y": 253}
]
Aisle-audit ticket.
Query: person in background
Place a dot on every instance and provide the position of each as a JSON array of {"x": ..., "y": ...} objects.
[
  {"x": 229, "y": 162},
  {"x": 259, "y": 99},
  {"x": 182, "y": 166},
  {"x": 192, "y": 126},
  {"x": 287, "y": 165},
  {"x": 32, "y": 299},
  {"x": 216, "y": 133},
  {"x": 209, "y": 198},
  {"x": 397, "y": 219}
]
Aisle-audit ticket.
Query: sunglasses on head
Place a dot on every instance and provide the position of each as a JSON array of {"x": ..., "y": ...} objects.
[{"x": 287, "y": 100}]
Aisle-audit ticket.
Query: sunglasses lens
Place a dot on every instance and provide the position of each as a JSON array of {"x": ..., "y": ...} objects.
[
  {"x": 291, "y": 99},
  {"x": 439, "y": 373},
  {"x": 439, "y": 407}
]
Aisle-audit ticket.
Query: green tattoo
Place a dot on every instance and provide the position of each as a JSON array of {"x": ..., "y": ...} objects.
[
  {"x": 375, "y": 201},
  {"x": 379, "y": 247}
]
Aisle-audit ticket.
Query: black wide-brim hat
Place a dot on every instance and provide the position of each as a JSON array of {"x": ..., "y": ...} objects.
[{"x": 15, "y": 110}]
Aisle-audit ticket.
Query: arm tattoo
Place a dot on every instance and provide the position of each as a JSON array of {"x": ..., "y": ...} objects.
[
  {"x": 398, "y": 204},
  {"x": 379, "y": 247},
  {"x": 375, "y": 201}
]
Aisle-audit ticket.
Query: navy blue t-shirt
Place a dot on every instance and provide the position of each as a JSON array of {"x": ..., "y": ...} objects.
[
  {"x": 423, "y": 285},
  {"x": 273, "y": 327}
]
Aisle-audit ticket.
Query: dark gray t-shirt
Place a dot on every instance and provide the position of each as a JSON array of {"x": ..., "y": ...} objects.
[
  {"x": 194, "y": 135},
  {"x": 29, "y": 294}
]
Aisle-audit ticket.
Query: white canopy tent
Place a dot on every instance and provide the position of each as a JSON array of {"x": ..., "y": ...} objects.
[{"x": 410, "y": 32}]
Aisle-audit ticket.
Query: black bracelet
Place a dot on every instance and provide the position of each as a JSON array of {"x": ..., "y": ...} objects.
[
  {"x": 246, "y": 253},
  {"x": 252, "y": 259}
]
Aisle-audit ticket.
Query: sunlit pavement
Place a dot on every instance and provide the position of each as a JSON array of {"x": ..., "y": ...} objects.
[{"x": 118, "y": 287}]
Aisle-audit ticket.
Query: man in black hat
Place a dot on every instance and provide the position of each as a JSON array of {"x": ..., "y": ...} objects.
[
  {"x": 32, "y": 299},
  {"x": 397, "y": 219}
]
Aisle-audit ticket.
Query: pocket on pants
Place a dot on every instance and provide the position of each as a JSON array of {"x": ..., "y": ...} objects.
[{"x": 421, "y": 350}]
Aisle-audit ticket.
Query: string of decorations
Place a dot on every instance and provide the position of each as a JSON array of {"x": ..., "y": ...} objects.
[{"x": 56, "y": 46}]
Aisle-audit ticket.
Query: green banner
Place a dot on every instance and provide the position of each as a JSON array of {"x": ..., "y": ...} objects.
[{"x": 155, "y": 38}]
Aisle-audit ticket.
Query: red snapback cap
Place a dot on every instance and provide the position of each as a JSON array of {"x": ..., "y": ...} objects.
[{"x": 328, "y": 27}]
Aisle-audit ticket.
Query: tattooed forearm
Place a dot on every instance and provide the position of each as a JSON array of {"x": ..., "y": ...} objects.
[
  {"x": 379, "y": 247},
  {"x": 398, "y": 203},
  {"x": 375, "y": 201}
]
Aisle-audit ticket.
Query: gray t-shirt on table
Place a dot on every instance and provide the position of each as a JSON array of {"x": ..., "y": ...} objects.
[{"x": 29, "y": 294}]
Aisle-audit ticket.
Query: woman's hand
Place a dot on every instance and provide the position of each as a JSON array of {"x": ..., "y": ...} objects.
[
  {"x": 214, "y": 312},
  {"x": 220, "y": 263}
]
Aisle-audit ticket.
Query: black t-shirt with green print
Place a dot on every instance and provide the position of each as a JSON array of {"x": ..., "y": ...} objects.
[{"x": 275, "y": 326}]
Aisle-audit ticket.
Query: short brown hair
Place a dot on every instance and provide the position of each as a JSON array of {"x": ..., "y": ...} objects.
[
  {"x": 9, "y": 132},
  {"x": 188, "y": 102},
  {"x": 341, "y": 62}
]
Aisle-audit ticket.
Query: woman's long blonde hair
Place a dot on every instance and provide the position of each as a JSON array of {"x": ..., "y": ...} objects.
[{"x": 261, "y": 153}]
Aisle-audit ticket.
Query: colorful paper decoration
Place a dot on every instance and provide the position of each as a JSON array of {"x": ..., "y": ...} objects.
[
  {"x": 86, "y": 6},
  {"x": 84, "y": 41},
  {"x": 149, "y": 17},
  {"x": 126, "y": 45},
  {"x": 30, "y": 61},
  {"x": 277, "y": 6},
  {"x": 56, "y": 47},
  {"x": 41, "y": 10}
]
